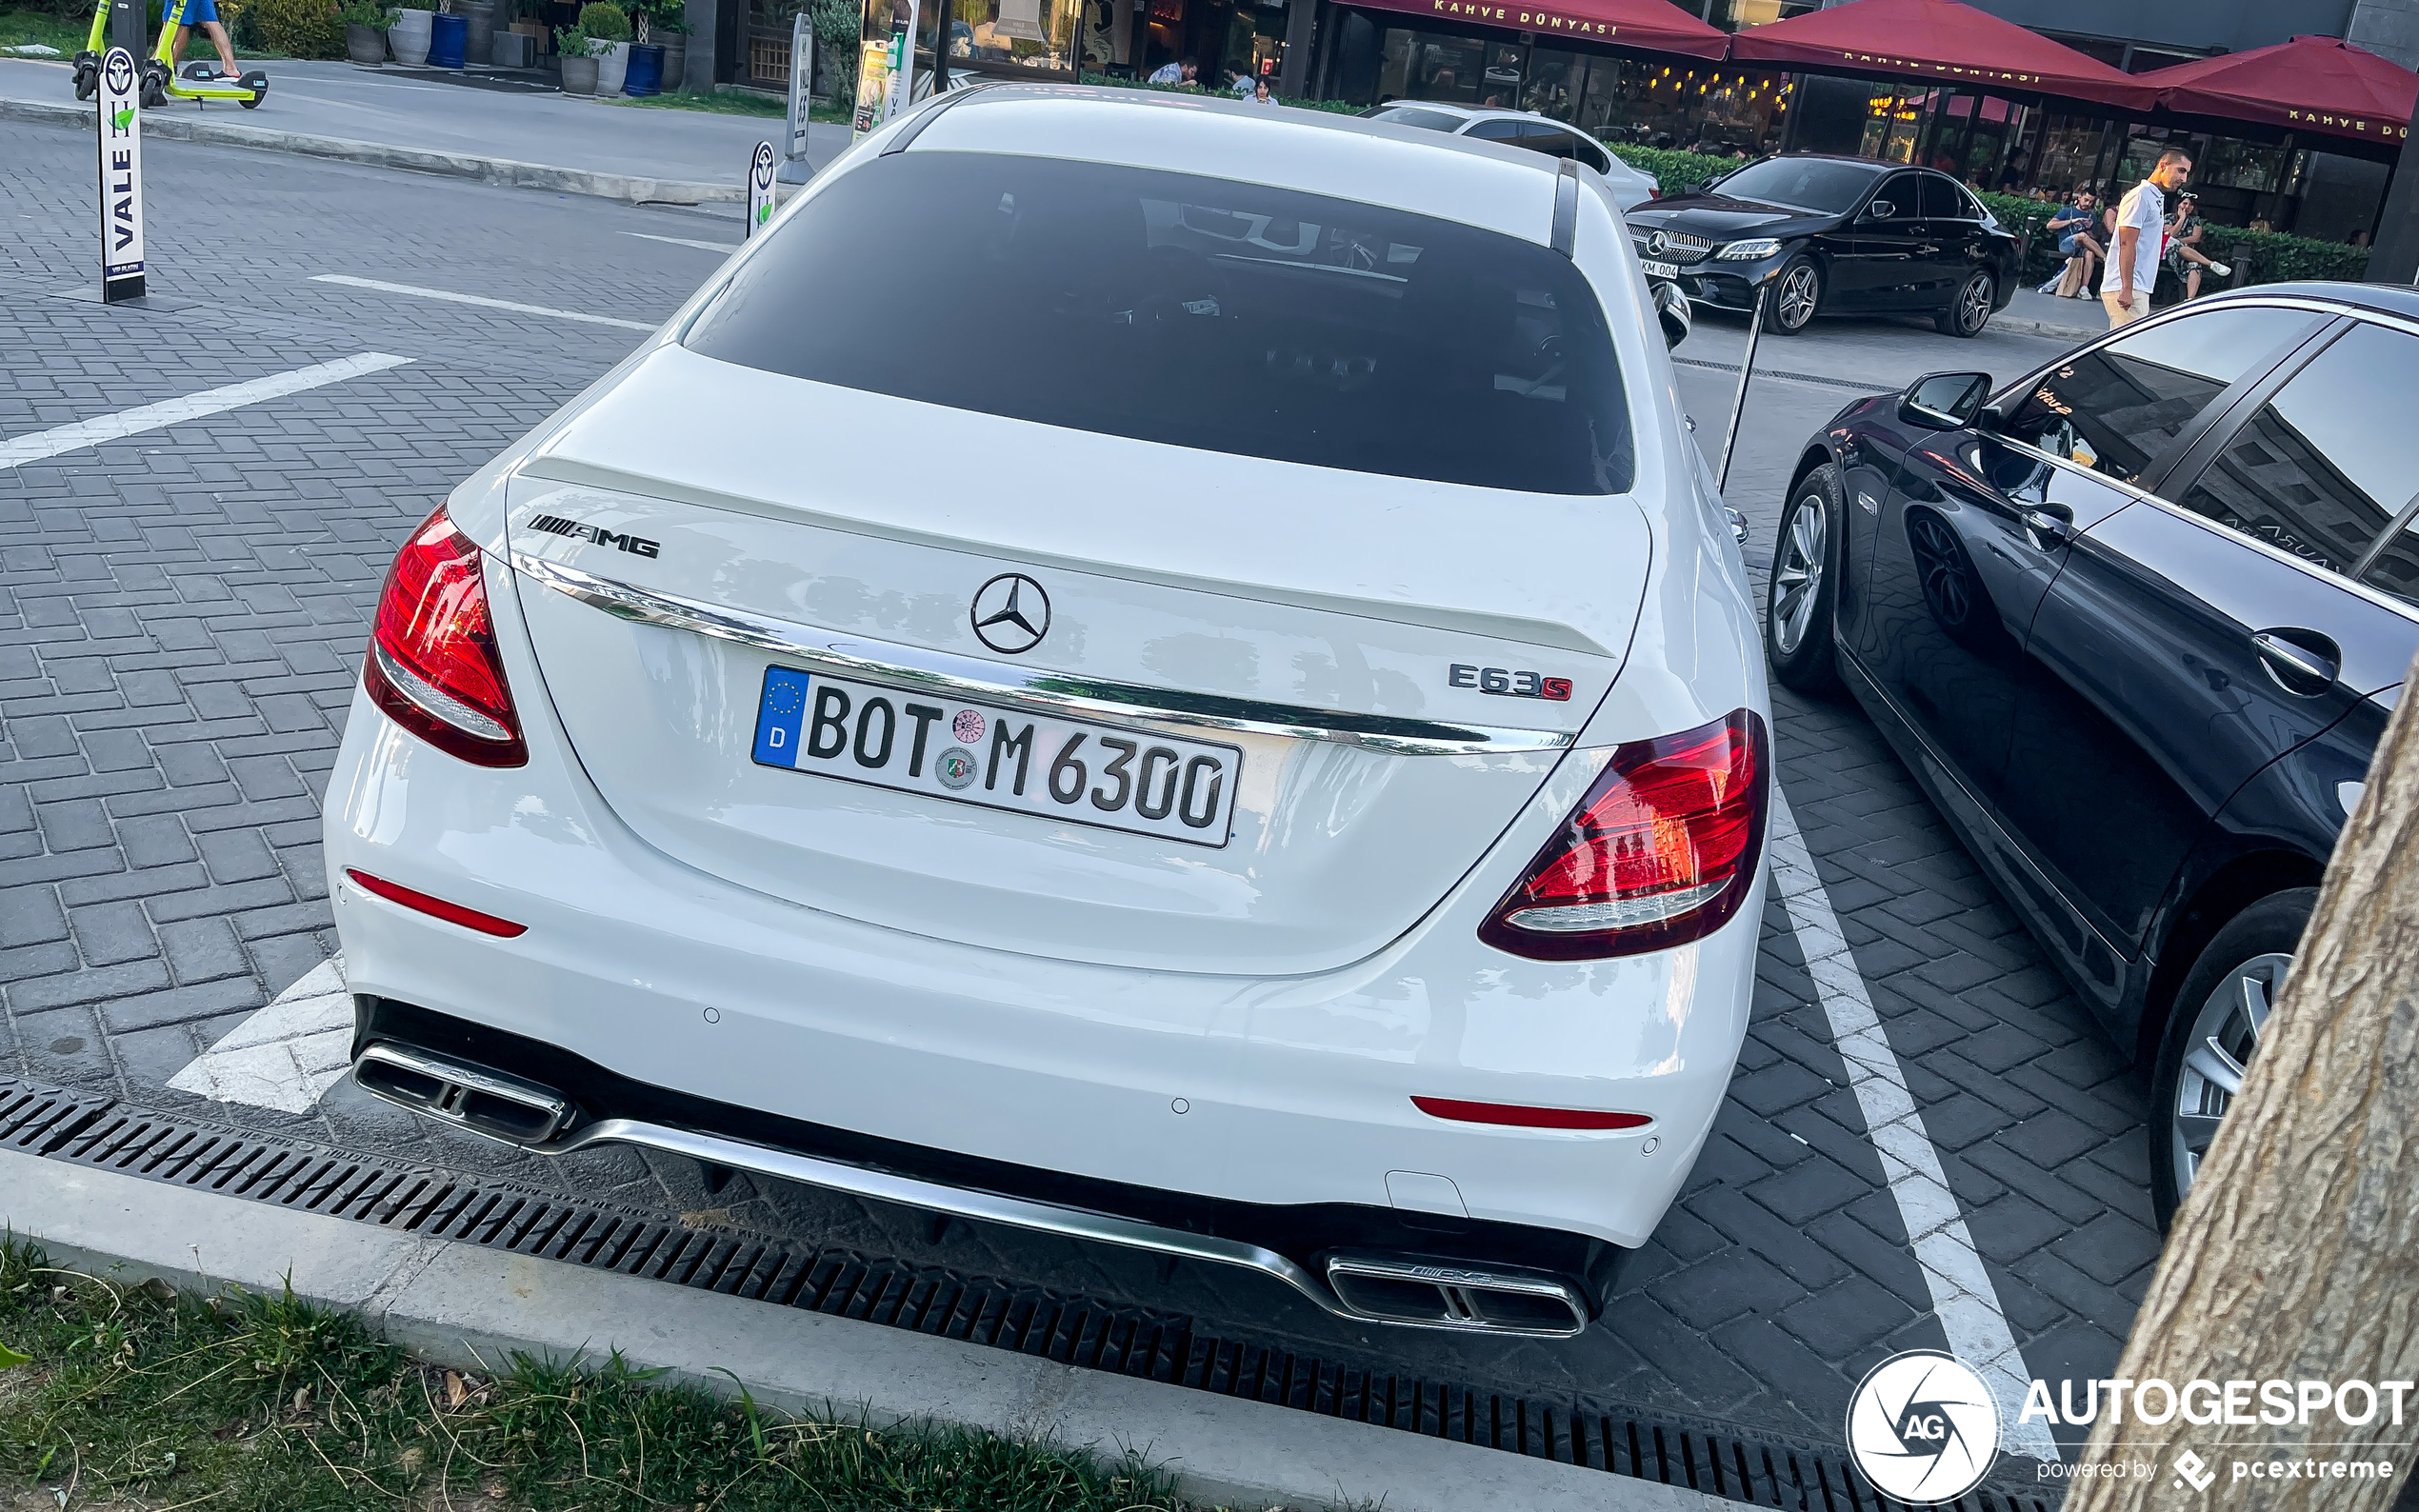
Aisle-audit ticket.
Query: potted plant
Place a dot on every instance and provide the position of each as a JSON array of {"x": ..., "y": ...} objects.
[
  {"x": 667, "y": 27},
  {"x": 578, "y": 52},
  {"x": 408, "y": 35},
  {"x": 608, "y": 26},
  {"x": 367, "y": 23}
]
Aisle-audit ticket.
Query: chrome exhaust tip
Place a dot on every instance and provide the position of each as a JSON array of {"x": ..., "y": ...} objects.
[
  {"x": 1437, "y": 1294},
  {"x": 470, "y": 1097}
]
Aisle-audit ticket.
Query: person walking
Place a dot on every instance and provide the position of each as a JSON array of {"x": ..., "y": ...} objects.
[
  {"x": 204, "y": 13},
  {"x": 2141, "y": 232}
]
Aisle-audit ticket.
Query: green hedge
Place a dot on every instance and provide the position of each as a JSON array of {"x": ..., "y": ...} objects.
[{"x": 1673, "y": 170}]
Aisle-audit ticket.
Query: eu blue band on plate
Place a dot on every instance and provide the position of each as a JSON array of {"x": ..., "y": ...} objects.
[{"x": 779, "y": 716}]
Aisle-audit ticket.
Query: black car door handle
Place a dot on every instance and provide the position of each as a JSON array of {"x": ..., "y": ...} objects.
[
  {"x": 2051, "y": 524},
  {"x": 2301, "y": 661}
]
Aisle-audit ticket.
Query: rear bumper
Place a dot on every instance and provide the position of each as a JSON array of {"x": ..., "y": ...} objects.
[{"x": 1274, "y": 1092}]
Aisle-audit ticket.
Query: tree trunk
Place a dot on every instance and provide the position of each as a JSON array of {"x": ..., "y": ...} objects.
[{"x": 2296, "y": 1253}]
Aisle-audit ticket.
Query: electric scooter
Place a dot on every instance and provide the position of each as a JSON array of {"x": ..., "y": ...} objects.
[
  {"x": 199, "y": 80},
  {"x": 88, "y": 63}
]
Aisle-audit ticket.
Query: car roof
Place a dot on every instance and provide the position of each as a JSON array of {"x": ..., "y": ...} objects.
[
  {"x": 1490, "y": 185},
  {"x": 1865, "y": 163},
  {"x": 2384, "y": 299}
]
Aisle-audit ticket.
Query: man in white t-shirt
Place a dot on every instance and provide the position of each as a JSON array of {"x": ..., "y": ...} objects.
[{"x": 2140, "y": 229}]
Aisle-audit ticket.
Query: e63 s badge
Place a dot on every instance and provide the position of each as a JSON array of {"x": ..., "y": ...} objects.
[{"x": 1508, "y": 683}]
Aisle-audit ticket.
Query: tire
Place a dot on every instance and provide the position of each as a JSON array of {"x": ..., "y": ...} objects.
[
  {"x": 154, "y": 94},
  {"x": 1798, "y": 601},
  {"x": 1796, "y": 297},
  {"x": 1970, "y": 308},
  {"x": 2226, "y": 998},
  {"x": 87, "y": 80},
  {"x": 251, "y": 102}
]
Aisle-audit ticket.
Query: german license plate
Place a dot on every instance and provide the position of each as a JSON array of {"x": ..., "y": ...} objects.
[
  {"x": 1671, "y": 271},
  {"x": 971, "y": 753}
]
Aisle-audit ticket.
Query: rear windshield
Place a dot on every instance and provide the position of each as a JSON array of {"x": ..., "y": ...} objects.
[
  {"x": 1194, "y": 312},
  {"x": 1800, "y": 182},
  {"x": 1413, "y": 115}
]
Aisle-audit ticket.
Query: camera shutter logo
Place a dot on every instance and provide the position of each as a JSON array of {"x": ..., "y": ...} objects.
[{"x": 1922, "y": 1428}]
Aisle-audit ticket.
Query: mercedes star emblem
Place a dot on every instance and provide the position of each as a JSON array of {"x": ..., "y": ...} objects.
[
  {"x": 1657, "y": 241},
  {"x": 1011, "y": 613}
]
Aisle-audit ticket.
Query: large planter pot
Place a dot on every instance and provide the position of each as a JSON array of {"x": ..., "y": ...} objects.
[
  {"x": 479, "y": 46},
  {"x": 579, "y": 74},
  {"x": 646, "y": 75},
  {"x": 364, "y": 44},
  {"x": 611, "y": 67},
  {"x": 675, "y": 62},
  {"x": 447, "y": 34},
  {"x": 408, "y": 36}
]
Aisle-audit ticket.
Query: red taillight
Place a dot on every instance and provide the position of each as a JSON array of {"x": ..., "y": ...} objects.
[
  {"x": 432, "y": 664},
  {"x": 1654, "y": 192},
  {"x": 1661, "y": 851},
  {"x": 1520, "y": 1115},
  {"x": 436, "y": 907}
]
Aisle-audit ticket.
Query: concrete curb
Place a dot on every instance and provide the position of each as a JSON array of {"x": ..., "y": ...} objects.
[
  {"x": 626, "y": 188},
  {"x": 472, "y": 1308},
  {"x": 2043, "y": 328}
]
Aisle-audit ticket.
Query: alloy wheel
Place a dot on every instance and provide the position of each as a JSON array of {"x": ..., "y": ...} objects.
[
  {"x": 2224, "y": 1035},
  {"x": 1799, "y": 290},
  {"x": 1973, "y": 303},
  {"x": 1797, "y": 577}
]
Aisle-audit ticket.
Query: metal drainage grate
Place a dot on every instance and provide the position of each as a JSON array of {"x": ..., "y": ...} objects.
[
  {"x": 416, "y": 1199},
  {"x": 37, "y": 1119}
]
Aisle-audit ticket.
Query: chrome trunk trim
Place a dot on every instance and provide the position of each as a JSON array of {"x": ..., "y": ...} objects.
[
  {"x": 966, "y": 677},
  {"x": 1461, "y": 1308}
]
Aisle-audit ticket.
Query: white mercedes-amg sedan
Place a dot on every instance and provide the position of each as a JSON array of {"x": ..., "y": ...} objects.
[{"x": 1136, "y": 666}]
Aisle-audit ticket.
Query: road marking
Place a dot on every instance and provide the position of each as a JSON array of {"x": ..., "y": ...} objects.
[
  {"x": 683, "y": 241},
  {"x": 286, "y": 1056},
  {"x": 484, "y": 303},
  {"x": 1963, "y": 1297},
  {"x": 37, "y": 445}
]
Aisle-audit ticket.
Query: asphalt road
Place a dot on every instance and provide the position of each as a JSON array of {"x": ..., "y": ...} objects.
[
  {"x": 467, "y": 112},
  {"x": 181, "y": 615}
]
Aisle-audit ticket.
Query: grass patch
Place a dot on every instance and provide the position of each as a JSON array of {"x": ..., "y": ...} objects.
[
  {"x": 35, "y": 28},
  {"x": 135, "y": 1398},
  {"x": 731, "y": 103}
]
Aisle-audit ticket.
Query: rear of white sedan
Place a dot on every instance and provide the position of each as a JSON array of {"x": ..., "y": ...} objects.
[{"x": 1137, "y": 667}]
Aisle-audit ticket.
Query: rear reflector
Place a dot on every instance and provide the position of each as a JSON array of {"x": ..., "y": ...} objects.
[
  {"x": 1520, "y": 1117},
  {"x": 436, "y": 907},
  {"x": 1661, "y": 851}
]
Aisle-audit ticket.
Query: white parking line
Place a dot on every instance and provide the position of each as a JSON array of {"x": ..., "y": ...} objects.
[
  {"x": 480, "y": 300},
  {"x": 286, "y": 1056},
  {"x": 683, "y": 241},
  {"x": 36, "y": 446},
  {"x": 1963, "y": 1297}
]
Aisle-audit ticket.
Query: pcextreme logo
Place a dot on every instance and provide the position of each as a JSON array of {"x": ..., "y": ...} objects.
[{"x": 1922, "y": 1428}]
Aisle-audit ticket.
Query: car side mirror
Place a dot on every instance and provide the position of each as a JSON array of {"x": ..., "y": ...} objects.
[
  {"x": 1944, "y": 401},
  {"x": 1672, "y": 310},
  {"x": 1881, "y": 211}
]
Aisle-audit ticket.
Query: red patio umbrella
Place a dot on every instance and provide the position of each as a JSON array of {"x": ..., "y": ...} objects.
[
  {"x": 1649, "y": 26},
  {"x": 1939, "y": 39},
  {"x": 2310, "y": 84}
]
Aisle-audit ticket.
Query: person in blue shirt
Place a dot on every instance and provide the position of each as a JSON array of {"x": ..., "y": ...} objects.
[{"x": 2071, "y": 226}]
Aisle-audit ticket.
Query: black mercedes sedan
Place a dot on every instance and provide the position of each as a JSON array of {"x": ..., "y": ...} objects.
[
  {"x": 1832, "y": 236},
  {"x": 2135, "y": 622}
]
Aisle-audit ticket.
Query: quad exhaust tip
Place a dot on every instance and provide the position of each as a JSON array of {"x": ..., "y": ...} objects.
[
  {"x": 1438, "y": 1294},
  {"x": 1408, "y": 1290},
  {"x": 473, "y": 1098}
]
